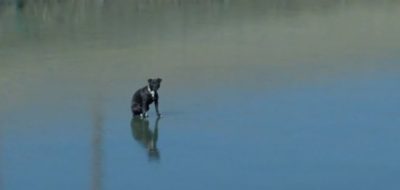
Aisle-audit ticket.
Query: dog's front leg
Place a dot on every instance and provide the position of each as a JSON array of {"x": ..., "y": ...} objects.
[
  {"x": 144, "y": 111},
  {"x": 156, "y": 106}
]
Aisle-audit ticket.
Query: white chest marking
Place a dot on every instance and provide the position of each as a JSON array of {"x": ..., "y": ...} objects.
[{"x": 151, "y": 92}]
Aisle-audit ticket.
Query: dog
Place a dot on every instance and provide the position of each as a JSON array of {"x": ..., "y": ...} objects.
[{"x": 145, "y": 96}]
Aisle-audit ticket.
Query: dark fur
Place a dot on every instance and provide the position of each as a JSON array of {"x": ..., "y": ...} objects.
[{"x": 142, "y": 98}]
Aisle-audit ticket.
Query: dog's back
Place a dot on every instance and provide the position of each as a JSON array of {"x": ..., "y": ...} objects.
[{"x": 137, "y": 101}]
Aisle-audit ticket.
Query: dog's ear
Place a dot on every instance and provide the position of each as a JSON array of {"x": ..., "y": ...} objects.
[
  {"x": 159, "y": 80},
  {"x": 149, "y": 80}
]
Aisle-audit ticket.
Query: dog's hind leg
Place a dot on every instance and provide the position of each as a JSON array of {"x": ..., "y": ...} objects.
[{"x": 136, "y": 110}]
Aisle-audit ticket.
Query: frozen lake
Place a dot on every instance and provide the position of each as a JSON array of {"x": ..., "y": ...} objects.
[{"x": 255, "y": 94}]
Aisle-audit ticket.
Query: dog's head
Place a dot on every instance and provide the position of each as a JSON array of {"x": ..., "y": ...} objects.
[{"x": 154, "y": 84}]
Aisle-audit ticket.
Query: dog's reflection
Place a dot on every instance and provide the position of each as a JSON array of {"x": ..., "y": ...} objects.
[{"x": 143, "y": 134}]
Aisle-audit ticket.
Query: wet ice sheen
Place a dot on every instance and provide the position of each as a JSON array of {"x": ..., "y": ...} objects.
[{"x": 256, "y": 95}]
